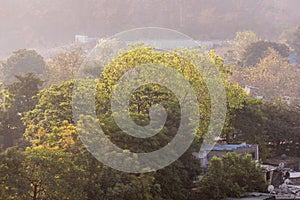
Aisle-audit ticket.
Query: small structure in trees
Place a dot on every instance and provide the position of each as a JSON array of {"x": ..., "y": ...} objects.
[{"x": 219, "y": 150}]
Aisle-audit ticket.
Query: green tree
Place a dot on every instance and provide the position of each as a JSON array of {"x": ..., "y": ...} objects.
[
  {"x": 239, "y": 44},
  {"x": 273, "y": 125},
  {"x": 55, "y": 130},
  {"x": 38, "y": 174},
  {"x": 281, "y": 129},
  {"x": 53, "y": 109},
  {"x": 22, "y": 62},
  {"x": 256, "y": 51},
  {"x": 6, "y": 100},
  {"x": 22, "y": 94},
  {"x": 12, "y": 183},
  {"x": 249, "y": 126},
  {"x": 50, "y": 125},
  {"x": 231, "y": 176},
  {"x": 273, "y": 75}
]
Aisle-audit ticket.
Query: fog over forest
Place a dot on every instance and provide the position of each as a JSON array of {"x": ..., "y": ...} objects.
[{"x": 51, "y": 23}]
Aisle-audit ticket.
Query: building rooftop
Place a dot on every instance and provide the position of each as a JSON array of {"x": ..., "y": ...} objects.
[
  {"x": 254, "y": 195},
  {"x": 225, "y": 147},
  {"x": 278, "y": 159}
]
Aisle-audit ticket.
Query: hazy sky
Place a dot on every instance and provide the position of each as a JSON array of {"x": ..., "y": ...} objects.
[{"x": 49, "y": 23}]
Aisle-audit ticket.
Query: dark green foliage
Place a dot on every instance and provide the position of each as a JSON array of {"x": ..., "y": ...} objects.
[
  {"x": 39, "y": 174},
  {"x": 282, "y": 128},
  {"x": 44, "y": 129},
  {"x": 273, "y": 125},
  {"x": 257, "y": 50},
  {"x": 71, "y": 172},
  {"x": 22, "y": 100},
  {"x": 231, "y": 176}
]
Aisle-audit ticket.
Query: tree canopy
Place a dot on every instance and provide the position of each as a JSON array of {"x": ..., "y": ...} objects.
[
  {"x": 274, "y": 76},
  {"x": 272, "y": 125},
  {"x": 18, "y": 98},
  {"x": 50, "y": 125},
  {"x": 231, "y": 176},
  {"x": 22, "y": 62},
  {"x": 256, "y": 51},
  {"x": 238, "y": 45}
]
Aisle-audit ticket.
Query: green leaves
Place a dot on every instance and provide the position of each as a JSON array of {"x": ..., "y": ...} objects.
[
  {"x": 272, "y": 125},
  {"x": 50, "y": 127},
  {"x": 231, "y": 176},
  {"x": 53, "y": 108},
  {"x": 273, "y": 75},
  {"x": 39, "y": 173},
  {"x": 239, "y": 44},
  {"x": 5, "y": 98},
  {"x": 19, "y": 98}
]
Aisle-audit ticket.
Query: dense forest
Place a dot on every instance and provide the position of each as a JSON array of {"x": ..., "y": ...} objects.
[
  {"x": 49, "y": 144},
  {"x": 42, "y": 149}
]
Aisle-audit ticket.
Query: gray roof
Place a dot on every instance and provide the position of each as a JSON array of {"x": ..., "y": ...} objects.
[{"x": 225, "y": 147}]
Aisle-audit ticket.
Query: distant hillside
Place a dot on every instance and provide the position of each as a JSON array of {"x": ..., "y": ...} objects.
[{"x": 48, "y": 23}]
